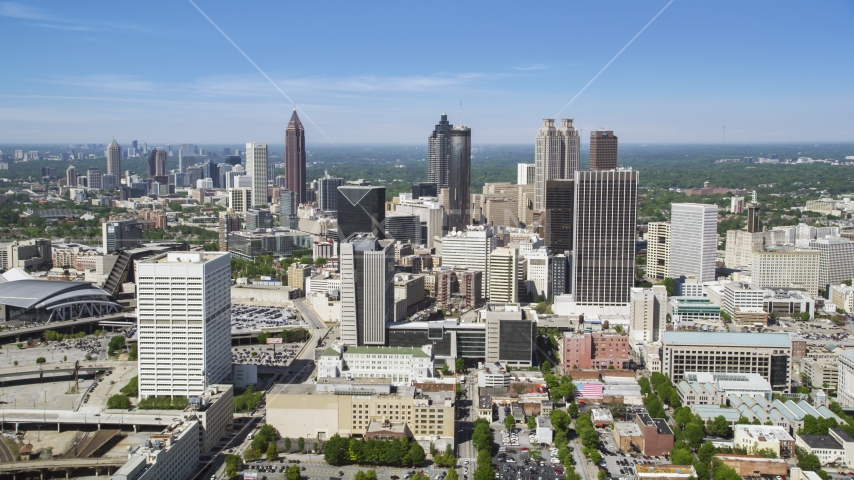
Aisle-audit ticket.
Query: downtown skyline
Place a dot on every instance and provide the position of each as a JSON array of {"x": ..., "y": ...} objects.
[{"x": 681, "y": 81}]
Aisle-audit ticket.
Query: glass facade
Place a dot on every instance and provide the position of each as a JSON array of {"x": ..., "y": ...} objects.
[
  {"x": 249, "y": 247},
  {"x": 516, "y": 340},
  {"x": 361, "y": 210}
]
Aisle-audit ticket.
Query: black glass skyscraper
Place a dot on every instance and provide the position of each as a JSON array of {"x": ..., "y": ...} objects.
[
  {"x": 424, "y": 189},
  {"x": 361, "y": 209},
  {"x": 459, "y": 179},
  {"x": 439, "y": 153}
]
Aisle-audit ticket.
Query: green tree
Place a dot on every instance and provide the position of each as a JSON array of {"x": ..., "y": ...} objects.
[
  {"x": 119, "y": 402},
  {"x": 532, "y": 422},
  {"x": 509, "y": 422},
  {"x": 572, "y": 408},
  {"x": 721, "y": 426},
  {"x": 706, "y": 451},
  {"x": 446, "y": 370},
  {"x": 335, "y": 451},
  {"x": 694, "y": 434},
  {"x": 272, "y": 452},
  {"x": 251, "y": 454},
  {"x": 546, "y": 366},
  {"x": 41, "y": 360},
  {"x": 132, "y": 387},
  {"x": 460, "y": 365},
  {"x": 415, "y": 456},
  {"x": 231, "y": 463},
  {"x": 452, "y": 475},
  {"x": 805, "y": 316},
  {"x": 670, "y": 285},
  {"x": 300, "y": 444},
  {"x": 560, "y": 419},
  {"x": 293, "y": 473},
  {"x": 681, "y": 456},
  {"x": 433, "y": 451},
  {"x": 724, "y": 472}
]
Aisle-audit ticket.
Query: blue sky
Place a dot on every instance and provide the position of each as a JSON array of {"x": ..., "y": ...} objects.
[{"x": 383, "y": 72}]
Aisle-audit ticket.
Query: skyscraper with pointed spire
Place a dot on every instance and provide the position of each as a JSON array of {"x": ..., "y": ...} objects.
[
  {"x": 295, "y": 157},
  {"x": 439, "y": 153},
  {"x": 114, "y": 158}
]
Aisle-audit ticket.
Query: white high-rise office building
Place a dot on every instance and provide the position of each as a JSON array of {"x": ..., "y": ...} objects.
[
  {"x": 468, "y": 250},
  {"x": 658, "y": 249},
  {"x": 256, "y": 169},
  {"x": 525, "y": 173},
  {"x": 239, "y": 199},
  {"x": 367, "y": 289},
  {"x": 556, "y": 156},
  {"x": 184, "y": 321},
  {"x": 693, "y": 230},
  {"x": 504, "y": 275},
  {"x": 430, "y": 212},
  {"x": 539, "y": 273},
  {"x": 648, "y": 312},
  {"x": 836, "y": 264},
  {"x": 785, "y": 267}
]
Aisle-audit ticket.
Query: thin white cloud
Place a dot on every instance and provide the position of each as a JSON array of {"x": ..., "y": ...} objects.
[
  {"x": 530, "y": 67},
  {"x": 15, "y": 10},
  {"x": 26, "y": 12},
  {"x": 125, "y": 83},
  {"x": 76, "y": 28},
  {"x": 249, "y": 86}
]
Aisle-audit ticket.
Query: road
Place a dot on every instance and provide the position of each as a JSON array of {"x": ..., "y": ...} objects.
[
  {"x": 215, "y": 466},
  {"x": 581, "y": 464},
  {"x": 23, "y": 331},
  {"x": 465, "y": 426}
]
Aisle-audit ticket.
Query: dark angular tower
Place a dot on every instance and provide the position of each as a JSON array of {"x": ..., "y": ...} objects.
[
  {"x": 439, "y": 153},
  {"x": 361, "y": 209},
  {"x": 295, "y": 158}
]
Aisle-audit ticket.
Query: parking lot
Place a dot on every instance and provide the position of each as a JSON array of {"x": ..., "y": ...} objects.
[
  {"x": 253, "y": 318},
  {"x": 313, "y": 469},
  {"x": 621, "y": 464},
  {"x": 513, "y": 459},
  {"x": 266, "y": 355}
]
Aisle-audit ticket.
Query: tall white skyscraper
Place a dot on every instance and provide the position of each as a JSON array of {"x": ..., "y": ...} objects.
[
  {"x": 571, "y": 147},
  {"x": 504, "y": 275},
  {"x": 367, "y": 289},
  {"x": 539, "y": 273},
  {"x": 693, "y": 240},
  {"x": 525, "y": 173},
  {"x": 256, "y": 169},
  {"x": 556, "y": 156},
  {"x": 648, "y": 312},
  {"x": 184, "y": 321},
  {"x": 658, "y": 249}
]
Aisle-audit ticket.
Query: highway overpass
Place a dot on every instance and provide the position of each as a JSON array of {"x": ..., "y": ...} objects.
[
  {"x": 22, "y": 333},
  {"x": 110, "y": 464},
  {"x": 88, "y": 416}
]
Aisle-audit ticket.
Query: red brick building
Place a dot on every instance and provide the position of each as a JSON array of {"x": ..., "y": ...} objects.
[{"x": 594, "y": 350}]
